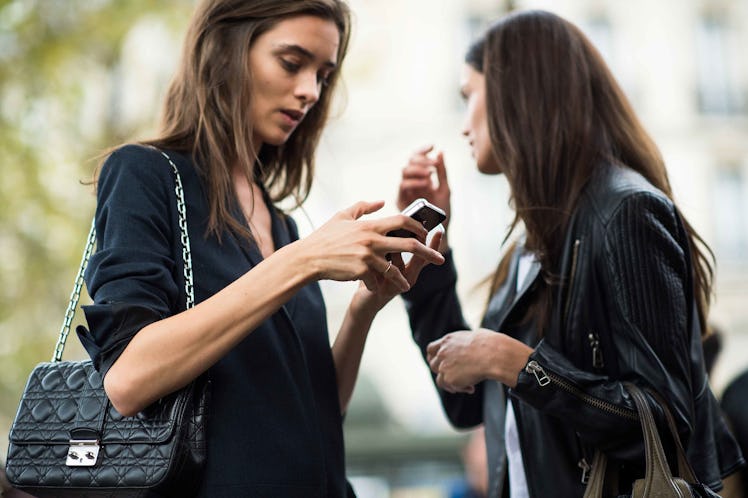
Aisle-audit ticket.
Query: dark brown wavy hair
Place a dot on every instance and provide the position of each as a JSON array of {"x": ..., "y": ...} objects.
[
  {"x": 555, "y": 113},
  {"x": 205, "y": 112}
]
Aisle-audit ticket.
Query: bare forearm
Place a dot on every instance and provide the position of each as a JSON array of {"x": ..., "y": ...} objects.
[
  {"x": 170, "y": 353},
  {"x": 348, "y": 347}
]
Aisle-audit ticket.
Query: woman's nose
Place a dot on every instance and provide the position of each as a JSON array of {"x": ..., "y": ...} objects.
[
  {"x": 308, "y": 88},
  {"x": 465, "y": 128}
]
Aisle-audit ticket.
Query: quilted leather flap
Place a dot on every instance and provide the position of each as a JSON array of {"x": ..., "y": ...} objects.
[{"x": 66, "y": 395}]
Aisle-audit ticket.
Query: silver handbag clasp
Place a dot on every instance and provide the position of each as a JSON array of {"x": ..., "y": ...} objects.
[{"x": 82, "y": 453}]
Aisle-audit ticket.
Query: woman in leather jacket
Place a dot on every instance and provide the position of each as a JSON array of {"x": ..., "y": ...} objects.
[{"x": 608, "y": 283}]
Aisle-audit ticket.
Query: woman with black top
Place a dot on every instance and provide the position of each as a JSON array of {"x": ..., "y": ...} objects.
[
  {"x": 242, "y": 119},
  {"x": 608, "y": 282}
]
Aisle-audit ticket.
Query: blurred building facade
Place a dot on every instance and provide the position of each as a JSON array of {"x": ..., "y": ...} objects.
[{"x": 681, "y": 63}]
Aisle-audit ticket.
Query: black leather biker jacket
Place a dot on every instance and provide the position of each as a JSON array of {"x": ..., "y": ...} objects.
[{"x": 624, "y": 312}]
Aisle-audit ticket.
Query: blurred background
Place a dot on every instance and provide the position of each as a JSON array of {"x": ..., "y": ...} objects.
[{"x": 77, "y": 76}]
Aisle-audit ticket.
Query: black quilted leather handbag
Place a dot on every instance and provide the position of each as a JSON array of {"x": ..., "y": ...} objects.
[
  {"x": 67, "y": 440},
  {"x": 658, "y": 481}
]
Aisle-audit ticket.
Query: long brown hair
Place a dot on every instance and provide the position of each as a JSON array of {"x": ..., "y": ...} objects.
[
  {"x": 205, "y": 112},
  {"x": 555, "y": 113}
]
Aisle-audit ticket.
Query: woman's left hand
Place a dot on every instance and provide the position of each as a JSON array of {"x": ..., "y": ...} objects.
[
  {"x": 462, "y": 359},
  {"x": 374, "y": 300}
]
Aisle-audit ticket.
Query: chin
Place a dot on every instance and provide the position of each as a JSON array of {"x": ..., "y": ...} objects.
[
  {"x": 277, "y": 140},
  {"x": 488, "y": 168}
]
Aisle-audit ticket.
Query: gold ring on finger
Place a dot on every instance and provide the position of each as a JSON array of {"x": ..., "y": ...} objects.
[{"x": 384, "y": 273}]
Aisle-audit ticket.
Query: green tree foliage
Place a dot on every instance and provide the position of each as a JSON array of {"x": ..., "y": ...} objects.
[{"x": 54, "y": 54}]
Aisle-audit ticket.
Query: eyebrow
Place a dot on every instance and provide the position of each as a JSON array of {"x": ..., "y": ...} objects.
[{"x": 301, "y": 51}]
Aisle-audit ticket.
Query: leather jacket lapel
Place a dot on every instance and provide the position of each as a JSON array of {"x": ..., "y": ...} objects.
[{"x": 508, "y": 295}]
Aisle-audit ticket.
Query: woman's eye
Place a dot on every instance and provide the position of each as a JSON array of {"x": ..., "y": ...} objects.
[
  {"x": 289, "y": 66},
  {"x": 323, "y": 79}
]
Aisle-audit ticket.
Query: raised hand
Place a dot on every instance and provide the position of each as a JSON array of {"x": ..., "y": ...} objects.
[{"x": 417, "y": 180}]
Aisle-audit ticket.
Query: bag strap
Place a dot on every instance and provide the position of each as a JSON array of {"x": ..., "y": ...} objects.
[
  {"x": 657, "y": 471},
  {"x": 189, "y": 290},
  {"x": 684, "y": 468},
  {"x": 596, "y": 482}
]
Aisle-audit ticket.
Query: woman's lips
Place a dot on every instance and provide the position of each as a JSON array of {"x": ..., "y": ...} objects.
[{"x": 291, "y": 116}]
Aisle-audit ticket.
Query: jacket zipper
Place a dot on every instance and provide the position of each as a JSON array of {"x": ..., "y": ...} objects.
[
  {"x": 597, "y": 352},
  {"x": 574, "y": 256},
  {"x": 586, "y": 468},
  {"x": 583, "y": 465},
  {"x": 544, "y": 378}
]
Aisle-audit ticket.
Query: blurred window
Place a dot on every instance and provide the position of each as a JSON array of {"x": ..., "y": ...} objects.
[
  {"x": 606, "y": 36},
  {"x": 600, "y": 33},
  {"x": 476, "y": 20},
  {"x": 730, "y": 208},
  {"x": 718, "y": 89}
]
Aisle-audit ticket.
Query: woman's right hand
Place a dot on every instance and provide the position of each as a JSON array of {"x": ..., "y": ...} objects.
[
  {"x": 464, "y": 358},
  {"x": 417, "y": 180},
  {"x": 347, "y": 248}
]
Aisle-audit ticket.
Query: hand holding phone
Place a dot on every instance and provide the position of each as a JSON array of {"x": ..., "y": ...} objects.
[{"x": 425, "y": 213}]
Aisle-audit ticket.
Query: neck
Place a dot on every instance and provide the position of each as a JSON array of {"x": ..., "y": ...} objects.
[{"x": 257, "y": 144}]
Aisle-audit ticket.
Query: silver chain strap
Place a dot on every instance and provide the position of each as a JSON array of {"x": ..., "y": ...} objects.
[
  {"x": 75, "y": 296},
  {"x": 189, "y": 290}
]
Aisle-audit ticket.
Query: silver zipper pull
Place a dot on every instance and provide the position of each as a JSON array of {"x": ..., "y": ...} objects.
[
  {"x": 586, "y": 467},
  {"x": 597, "y": 352},
  {"x": 534, "y": 368}
]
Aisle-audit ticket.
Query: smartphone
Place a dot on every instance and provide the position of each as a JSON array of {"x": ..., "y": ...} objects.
[{"x": 423, "y": 212}]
